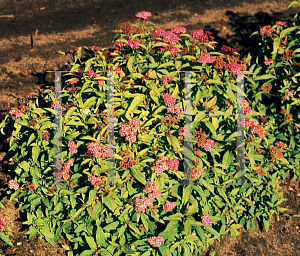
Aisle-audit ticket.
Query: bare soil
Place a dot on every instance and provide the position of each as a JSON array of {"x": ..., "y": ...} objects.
[{"x": 33, "y": 31}]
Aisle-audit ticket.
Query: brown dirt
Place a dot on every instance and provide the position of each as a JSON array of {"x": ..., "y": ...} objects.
[{"x": 58, "y": 25}]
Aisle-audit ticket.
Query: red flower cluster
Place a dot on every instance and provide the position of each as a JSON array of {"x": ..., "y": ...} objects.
[
  {"x": 276, "y": 153},
  {"x": 267, "y": 31},
  {"x": 280, "y": 144},
  {"x": 74, "y": 81},
  {"x": 197, "y": 172},
  {"x": 225, "y": 49},
  {"x": 203, "y": 36}
]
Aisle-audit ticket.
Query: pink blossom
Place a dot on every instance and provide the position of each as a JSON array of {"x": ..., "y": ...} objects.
[
  {"x": 197, "y": 172},
  {"x": 183, "y": 131},
  {"x": 143, "y": 15},
  {"x": 65, "y": 171},
  {"x": 169, "y": 99},
  {"x": 91, "y": 73},
  {"x": 13, "y": 184},
  {"x": 268, "y": 62},
  {"x": 173, "y": 164},
  {"x": 247, "y": 110},
  {"x": 161, "y": 165},
  {"x": 72, "y": 147},
  {"x": 142, "y": 203},
  {"x": 2, "y": 224},
  {"x": 101, "y": 82},
  {"x": 234, "y": 67},
  {"x": 156, "y": 241},
  {"x": 16, "y": 112},
  {"x": 170, "y": 37},
  {"x": 160, "y": 32},
  {"x": 154, "y": 194},
  {"x": 266, "y": 30},
  {"x": 95, "y": 181},
  {"x": 169, "y": 206},
  {"x": 120, "y": 44},
  {"x": 178, "y": 29},
  {"x": 74, "y": 81},
  {"x": 281, "y": 23},
  {"x": 130, "y": 130},
  {"x": 166, "y": 79},
  {"x": 32, "y": 186},
  {"x": 288, "y": 94},
  {"x": 206, "y": 219},
  {"x": 207, "y": 58},
  {"x": 209, "y": 145},
  {"x": 134, "y": 43}
]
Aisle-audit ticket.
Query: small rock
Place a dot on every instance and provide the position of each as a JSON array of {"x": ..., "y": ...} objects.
[{"x": 19, "y": 243}]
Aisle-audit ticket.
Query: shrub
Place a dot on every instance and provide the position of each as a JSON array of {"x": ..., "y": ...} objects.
[{"x": 148, "y": 214}]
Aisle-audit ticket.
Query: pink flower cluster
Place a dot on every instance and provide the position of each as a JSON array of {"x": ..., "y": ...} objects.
[
  {"x": 169, "y": 206},
  {"x": 178, "y": 110},
  {"x": 183, "y": 131},
  {"x": 268, "y": 62},
  {"x": 178, "y": 29},
  {"x": 134, "y": 43},
  {"x": 164, "y": 164},
  {"x": 95, "y": 181},
  {"x": 235, "y": 67},
  {"x": 143, "y": 15},
  {"x": 72, "y": 147},
  {"x": 152, "y": 190},
  {"x": 101, "y": 82},
  {"x": 280, "y": 144},
  {"x": 130, "y": 130},
  {"x": 206, "y": 219},
  {"x": 166, "y": 79},
  {"x": 95, "y": 150},
  {"x": 206, "y": 58},
  {"x": 120, "y": 44},
  {"x": 65, "y": 171},
  {"x": 156, "y": 241},
  {"x": 2, "y": 224},
  {"x": 74, "y": 81},
  {"x": 281, "y": 23},
  {"x": 196, "y": 172},
  {"x": 32, "y": 186},
  {"x": 288, "y": 94},
  {"x": 142, "y": 203},
  {"x": 91, "y": 73},
  {"x": 203, "y": 36},
  {"x": 118, "y": 70},
  {"x": 256, "y": 128},
  {"x": 247, "y": 108},
  {"x": 168, "y": 36},
  {"x": 209, "y": 145},
  {"x": 57, "y": 175},
  {"x": 266, "y": 30},
  {"x": 16, "y": 112},
  {"x": 171, "y": 48},
  {"x": 13, "y": 184},
  {"x": 169, "y": 99}
]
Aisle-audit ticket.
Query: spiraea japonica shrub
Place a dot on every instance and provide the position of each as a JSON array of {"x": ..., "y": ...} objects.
[{"x": 148, "y": 214}]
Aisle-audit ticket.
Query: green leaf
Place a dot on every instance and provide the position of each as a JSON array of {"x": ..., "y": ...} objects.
[
  {"x": 130, "y": 64},
  {"x": 264, "y": 77},
  {"x": 134, "y": 228},
  {"x": 96, "y": 211},
  {"x": 210, "y": 126},
  {"x": 162, "y": 250},
  {"x": 100, "y": 237},
  {"x": 110, "y": 203},
  {"x": 92, "y": 196},
  {"x": 136, "y": 102},
  {"x": 186, "y": 194},
  {"x": 5, "y": 239},
  {"x": 227, "y": 159},
  {"x": 173, "y": 141},
  {"x": 91, "y": 242},
  {"x": 138, "y": 175},
  {"x": 207, "y": 185},
  {"x": 35, "y": 153},
  {"x": 145, "y": 219},
  {"x": 159, "y": 45}
]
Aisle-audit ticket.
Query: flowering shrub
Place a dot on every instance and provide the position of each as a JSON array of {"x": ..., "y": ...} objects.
[{"x": 147, "y": 212}]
